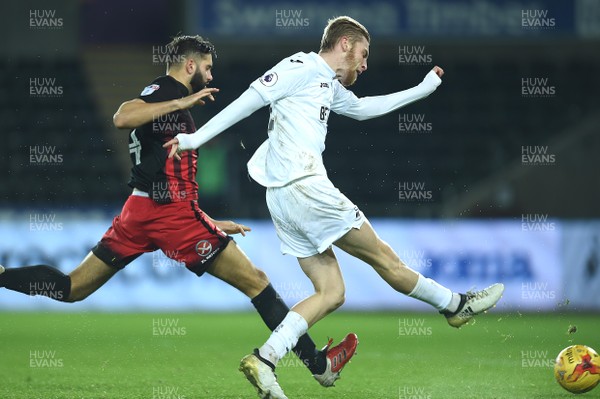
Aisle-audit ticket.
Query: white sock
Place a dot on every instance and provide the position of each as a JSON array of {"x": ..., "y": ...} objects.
[
  {"x": 454, "y": 302},
  {"x": 432, "y": 293},
  {"x": 284, "y": 337}
]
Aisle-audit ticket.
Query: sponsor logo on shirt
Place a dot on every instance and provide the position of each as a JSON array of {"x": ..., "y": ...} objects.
[
  {"x": 325, "y": 85},
  {"x": 149, "y": 90},
  {"x": 269, "y": 79}
]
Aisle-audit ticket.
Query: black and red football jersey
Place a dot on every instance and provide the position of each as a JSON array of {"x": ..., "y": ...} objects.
[{"x": 164, "y": 179}]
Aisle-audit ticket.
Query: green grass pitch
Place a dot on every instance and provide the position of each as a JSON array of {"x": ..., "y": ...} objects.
[{"x": 187, "y": 356}]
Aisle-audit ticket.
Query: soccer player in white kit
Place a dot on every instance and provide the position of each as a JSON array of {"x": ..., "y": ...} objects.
[{"x": 309, "y": 213}]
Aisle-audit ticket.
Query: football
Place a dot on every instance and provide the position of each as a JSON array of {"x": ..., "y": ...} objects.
[{"x": 577, "y": 368}]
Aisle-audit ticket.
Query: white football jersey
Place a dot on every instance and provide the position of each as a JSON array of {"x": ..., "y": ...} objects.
[{"x": 301, "y": 90}]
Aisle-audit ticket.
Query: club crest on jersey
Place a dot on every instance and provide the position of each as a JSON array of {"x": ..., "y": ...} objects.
[
  {"x": 149, "y": 90},
  {"x": 269, "y": 79},
  {"x": 203, "y": 248}
]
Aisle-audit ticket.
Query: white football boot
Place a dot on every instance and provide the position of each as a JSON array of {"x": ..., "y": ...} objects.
[
  {"x": 474, "y": 303},
  {"x": 262, "y": 376}
]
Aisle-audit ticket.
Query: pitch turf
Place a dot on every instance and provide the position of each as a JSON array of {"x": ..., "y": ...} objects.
[{"x": 187, "y": 356}]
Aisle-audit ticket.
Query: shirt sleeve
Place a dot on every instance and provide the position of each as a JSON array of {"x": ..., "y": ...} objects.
[
  {"x": 346, "y": 103},
  {"x": 241, "y": 108},
  {"x": 284, "y": 79},
  {"x": 159, "y": 90}
]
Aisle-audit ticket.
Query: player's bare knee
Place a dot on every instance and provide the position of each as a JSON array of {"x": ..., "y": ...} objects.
[
  {"x": 334, "y": 299},
  {"x": 262, "y": 278},
  {"x": 252, "y": 284},
  {"x": 337, "y": 301},
  {"x": 258, "y": 282}
]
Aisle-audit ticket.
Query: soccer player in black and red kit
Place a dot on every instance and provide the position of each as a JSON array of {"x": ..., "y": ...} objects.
[{"x": 163, "y": 213}]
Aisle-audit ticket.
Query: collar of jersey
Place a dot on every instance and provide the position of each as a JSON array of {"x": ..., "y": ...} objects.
[
  {"x": 321, "y": 62},
  {"x": 180, "y": 86}
]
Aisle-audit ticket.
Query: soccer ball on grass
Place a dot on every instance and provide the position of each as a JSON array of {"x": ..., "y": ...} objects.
[{"x": 577, "y": 368}]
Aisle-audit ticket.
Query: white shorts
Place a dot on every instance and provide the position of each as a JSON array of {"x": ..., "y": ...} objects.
[{"x": 310, "y": 214}]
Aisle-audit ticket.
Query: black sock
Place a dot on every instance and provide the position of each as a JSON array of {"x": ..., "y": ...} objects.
[
  {"x": 273, "y": 310},
  {"x": 38, "y": 280}
]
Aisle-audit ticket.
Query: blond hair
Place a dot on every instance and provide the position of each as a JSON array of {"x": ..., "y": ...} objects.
[{"x": 342, "y": 26}]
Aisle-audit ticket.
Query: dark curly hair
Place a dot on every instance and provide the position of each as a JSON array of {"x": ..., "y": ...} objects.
[{"x": 185, "y": 45}]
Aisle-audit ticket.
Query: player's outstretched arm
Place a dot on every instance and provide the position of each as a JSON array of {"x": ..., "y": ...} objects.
[
  {"x": 244, "y": 106},
  {"x": 135, "y": 113},
  {"x": 371, "y": 107}
]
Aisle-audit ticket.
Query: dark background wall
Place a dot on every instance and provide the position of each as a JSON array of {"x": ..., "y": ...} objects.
[{"x": 463, "y": 156}]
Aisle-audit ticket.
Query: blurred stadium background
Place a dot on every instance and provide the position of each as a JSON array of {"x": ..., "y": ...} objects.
[{"x": 494, "y": 177}]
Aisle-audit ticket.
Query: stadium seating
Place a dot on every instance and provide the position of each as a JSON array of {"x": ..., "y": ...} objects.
[{"x": 68, "y": 124}]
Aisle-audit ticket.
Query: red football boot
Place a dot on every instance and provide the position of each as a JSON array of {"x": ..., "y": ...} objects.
[{"x": 337, "y": 357}]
